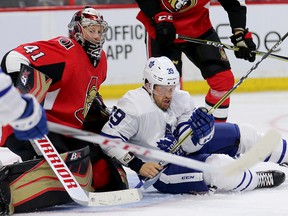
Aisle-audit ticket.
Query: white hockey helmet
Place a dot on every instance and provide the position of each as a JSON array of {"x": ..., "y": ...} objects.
[
  {"x": 86, "y": 18},
  {"x": 160, "y": 71}
]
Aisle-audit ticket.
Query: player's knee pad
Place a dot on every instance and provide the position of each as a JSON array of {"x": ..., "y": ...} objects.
[
  {"x": 248, "y": 137},
  {"x": 219, "y": 84},
  {"x": 34, "y": 185}
]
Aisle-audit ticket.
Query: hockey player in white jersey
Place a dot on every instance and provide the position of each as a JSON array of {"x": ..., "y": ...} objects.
[
  {"x": 28, "y": 120},
  {"x": 159, "y": 113},
  {"x": 22, "y": 112}
]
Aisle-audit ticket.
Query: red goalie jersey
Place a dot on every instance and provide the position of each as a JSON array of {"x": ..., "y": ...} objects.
[{"x": 75, "y": 81}]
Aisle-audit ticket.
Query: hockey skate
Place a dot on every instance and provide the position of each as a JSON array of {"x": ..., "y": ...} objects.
[
  {"x": 284, "y": 164},
  {"x": 270, "y": 178}
]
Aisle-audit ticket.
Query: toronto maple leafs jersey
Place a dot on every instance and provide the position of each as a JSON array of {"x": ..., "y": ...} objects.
[{"x": 140, "y": 121}]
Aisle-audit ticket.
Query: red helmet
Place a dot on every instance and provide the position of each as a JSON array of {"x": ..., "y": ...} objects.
[{"x": 80, "y": 28}]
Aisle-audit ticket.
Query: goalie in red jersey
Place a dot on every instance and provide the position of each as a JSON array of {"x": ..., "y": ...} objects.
[
  {"x": 65, "y": 75},
  {"x": 163, "y": 19}
]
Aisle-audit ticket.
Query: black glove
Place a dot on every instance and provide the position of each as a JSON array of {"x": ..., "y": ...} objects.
[
  {"x": 164, "y": 28},
  {"x": 246, "y": 45},
  {"x": 6, "y": 203},
  {"x": 97, "y": 115}
]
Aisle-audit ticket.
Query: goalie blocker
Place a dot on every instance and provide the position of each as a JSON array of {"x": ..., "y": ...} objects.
[{"x": 32, "y": 185}]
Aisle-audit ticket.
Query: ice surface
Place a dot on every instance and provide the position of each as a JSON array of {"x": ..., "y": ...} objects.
[{"x": 264, "y": 110}]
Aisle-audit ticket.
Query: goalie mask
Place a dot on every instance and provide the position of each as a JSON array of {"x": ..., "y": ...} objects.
[
  {"x": 89, "y": 29},
  {"x": 160, "y": 71}
]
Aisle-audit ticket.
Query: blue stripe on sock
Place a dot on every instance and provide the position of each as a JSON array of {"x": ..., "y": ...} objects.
[
  {"x": 251, "y": 177},
  {"x": 244, "y": 177},
  {"x": 283, "y": 151},
  {"x": 240, "y": 182}
]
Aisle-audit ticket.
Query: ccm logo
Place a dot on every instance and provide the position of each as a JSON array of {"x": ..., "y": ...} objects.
[
  {"x": 187, "y": 177},
  {"x": 165, "y": 17}
]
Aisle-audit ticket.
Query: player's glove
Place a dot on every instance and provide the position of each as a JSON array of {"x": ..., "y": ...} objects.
[
  {"x": 164, "y": 28},
  {"x": 246, "y": 45},
  {"x": 202, "y": 125},
  {"x": 168, "y": 142},
  {"x": 33, "y": 122}
]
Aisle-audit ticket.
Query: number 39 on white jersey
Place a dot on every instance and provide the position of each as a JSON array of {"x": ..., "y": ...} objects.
[{"x": 139, "y": 120}]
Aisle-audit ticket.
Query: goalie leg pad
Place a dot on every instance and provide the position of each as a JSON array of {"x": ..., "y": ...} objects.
[
  {"x": 34, "y": 185},
  {"x": 6, "y": 203}
]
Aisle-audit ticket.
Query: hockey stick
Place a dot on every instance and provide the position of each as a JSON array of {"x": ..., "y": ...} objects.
[
  {"x": 190, "y": 132},
  {"x": 226, "y": 46},
  {"x": 233, "y": 88},
  {"x": 73, "y": 188},
  {"x": 257, "y": 153},
  {"x": 247, "y": 160}
]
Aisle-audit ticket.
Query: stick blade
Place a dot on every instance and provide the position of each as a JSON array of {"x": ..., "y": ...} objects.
[
  {"x": 115, "y": 197},
  {"x": 257, "y": 153}
]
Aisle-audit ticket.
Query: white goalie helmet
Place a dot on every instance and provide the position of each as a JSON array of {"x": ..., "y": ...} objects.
[
  {"x": 160, "y": 71},
  {"x": 82, "y": 20}
]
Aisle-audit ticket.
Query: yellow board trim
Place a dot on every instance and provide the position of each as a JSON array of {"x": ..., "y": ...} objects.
[{"x": 201, "y": 87}]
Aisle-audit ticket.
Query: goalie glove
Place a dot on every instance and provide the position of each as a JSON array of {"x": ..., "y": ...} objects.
[
  {"x": 202, "y": 125},
  {"x": 32, "y": 123},
  {"x": 247, "y": 47},
  {"x": 164, "y": 28},
  {"x": 97, "y": 115}
]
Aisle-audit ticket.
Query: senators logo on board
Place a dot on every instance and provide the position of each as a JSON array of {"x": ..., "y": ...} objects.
[{"x": 178, "y": 5}]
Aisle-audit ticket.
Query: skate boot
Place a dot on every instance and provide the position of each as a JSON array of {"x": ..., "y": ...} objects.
[
  {"x": 270, "y": 178},
  {"x": 284, "y": 164}
]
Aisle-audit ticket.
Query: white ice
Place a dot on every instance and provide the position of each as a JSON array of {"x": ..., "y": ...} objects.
[{"x": 264, "y": 110}]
